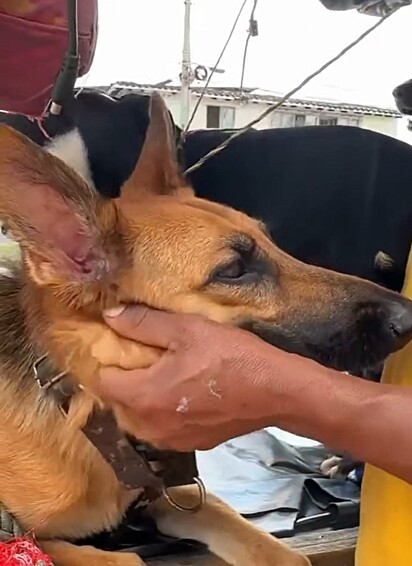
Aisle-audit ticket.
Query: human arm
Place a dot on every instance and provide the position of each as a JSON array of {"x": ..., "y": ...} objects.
[{"x": 215, "y": 382}]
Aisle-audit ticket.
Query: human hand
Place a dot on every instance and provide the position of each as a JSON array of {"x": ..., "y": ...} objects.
[
  {"x": 206, "y": 388},
  {"x": 215, "y": 382}
]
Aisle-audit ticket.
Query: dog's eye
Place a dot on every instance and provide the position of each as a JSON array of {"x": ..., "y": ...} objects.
[{"x": 233, "y": 270}]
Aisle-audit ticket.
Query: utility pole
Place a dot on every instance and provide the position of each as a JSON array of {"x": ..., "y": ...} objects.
[{"x": 186, "y": 76}]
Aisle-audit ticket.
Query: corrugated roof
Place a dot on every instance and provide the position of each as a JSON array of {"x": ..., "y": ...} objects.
[{"x": 250, "y": 95}]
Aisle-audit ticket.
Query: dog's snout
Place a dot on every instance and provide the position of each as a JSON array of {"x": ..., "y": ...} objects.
[
  {"x": 356, "y": 329},
  {"x": 386, "y": 321},
  {"x": 400, "y": 319}
]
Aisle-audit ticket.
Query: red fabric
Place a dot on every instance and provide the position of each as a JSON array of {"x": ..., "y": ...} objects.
[{"x": 33, "y": 42}]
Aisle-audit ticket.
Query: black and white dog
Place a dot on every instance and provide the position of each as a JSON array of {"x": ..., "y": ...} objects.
[{"x": 334, "y": 196}]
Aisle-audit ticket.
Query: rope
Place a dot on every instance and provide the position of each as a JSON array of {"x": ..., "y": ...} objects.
[
  {"x": 16, "y": 546},
  {"x": 276, "y": 105}
]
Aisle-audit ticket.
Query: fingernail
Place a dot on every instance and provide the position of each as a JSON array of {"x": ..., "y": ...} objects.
[{"x": 114, "y": 312}]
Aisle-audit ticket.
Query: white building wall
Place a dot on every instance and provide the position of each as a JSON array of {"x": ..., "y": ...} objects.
[
  {"x": 402, "y": 132},
  {"x": 245, "y": 112},
  {"x": 381, "y": 124}
]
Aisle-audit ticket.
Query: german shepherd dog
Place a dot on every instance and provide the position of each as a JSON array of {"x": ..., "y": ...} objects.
[{"x": 156, "y": 244}]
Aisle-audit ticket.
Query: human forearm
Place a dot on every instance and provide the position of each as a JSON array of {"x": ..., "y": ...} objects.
[
  {"x": 215, "y": 382},
  {"x": 368, "y": 420}
]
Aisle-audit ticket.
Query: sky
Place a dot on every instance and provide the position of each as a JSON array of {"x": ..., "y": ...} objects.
[{"x": 142, "y": 42}]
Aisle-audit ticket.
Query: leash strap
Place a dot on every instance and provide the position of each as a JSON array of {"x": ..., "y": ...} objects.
[
  {"x": 131, "y": 467},
  {"x": 39, "y": 122}
]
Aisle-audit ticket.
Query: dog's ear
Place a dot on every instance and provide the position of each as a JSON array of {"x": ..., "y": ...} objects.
[
  {"x": 157, "y": 171},
  {"x": 58, "y": 220}
]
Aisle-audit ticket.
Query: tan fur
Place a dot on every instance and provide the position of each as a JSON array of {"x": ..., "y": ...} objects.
[
  {"x": 224, "y": 532},
  {"x": 157, "y": 244},
  {"x": 66, "y": 554}
]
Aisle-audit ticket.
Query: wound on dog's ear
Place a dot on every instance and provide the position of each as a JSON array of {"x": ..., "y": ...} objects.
[
  {"x": 157, "y": 169},
  {"x": 49, "y": 210}
]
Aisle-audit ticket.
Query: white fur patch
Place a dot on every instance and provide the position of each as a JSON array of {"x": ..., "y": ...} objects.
[
  {"x": 383, "y": 261},
  {"x": 71, "y": 149}
]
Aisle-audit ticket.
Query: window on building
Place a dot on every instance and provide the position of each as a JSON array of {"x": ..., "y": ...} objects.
[
  {"x": 220, "y": 117},
  {"x": 311, "y": 120},
  {"x": 326, "y": 121},
  {"x": 354, "y": 122},
  {"x": 300, "y": 120},
  {"x": 291, "y": 120},
  {"x": 287, "y": 120},
  {"x": 347, "y": 121},
  {"x": 227, "y": 117},
  {"x": 282, "y": 120},
  {"x": 212, "y": 117}
]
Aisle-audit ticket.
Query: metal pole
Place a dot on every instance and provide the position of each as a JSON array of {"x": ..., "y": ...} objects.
[{"x": 186, "y": 74}]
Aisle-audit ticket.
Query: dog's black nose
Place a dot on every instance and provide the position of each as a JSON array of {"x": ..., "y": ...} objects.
[{"x": 400, "y": 319}]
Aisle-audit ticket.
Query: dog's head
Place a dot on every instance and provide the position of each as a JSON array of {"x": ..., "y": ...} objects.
[
  {"x": 403, "y": 97},
  {"x": 160, "y": 245}
]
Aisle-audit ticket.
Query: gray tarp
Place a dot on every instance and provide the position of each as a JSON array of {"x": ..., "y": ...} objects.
[{"x": 274, "y": 483}]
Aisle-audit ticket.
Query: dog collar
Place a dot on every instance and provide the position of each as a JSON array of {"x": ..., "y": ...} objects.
[{"x": 135, "y": 464}]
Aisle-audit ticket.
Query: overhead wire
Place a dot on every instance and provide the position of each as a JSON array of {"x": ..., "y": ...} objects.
[
  {"x": 288, "y": 95},
  {"x": 252, "y": 32},
  {"x": 203, "y": 91}
]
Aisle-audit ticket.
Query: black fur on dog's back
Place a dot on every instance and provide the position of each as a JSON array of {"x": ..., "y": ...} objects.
[{"x": 336, "y": 196}]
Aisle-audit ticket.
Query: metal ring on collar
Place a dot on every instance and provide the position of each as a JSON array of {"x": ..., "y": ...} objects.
[
  {"x": 50, "y": 382},
  {"x": 202, "y": 498}
]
